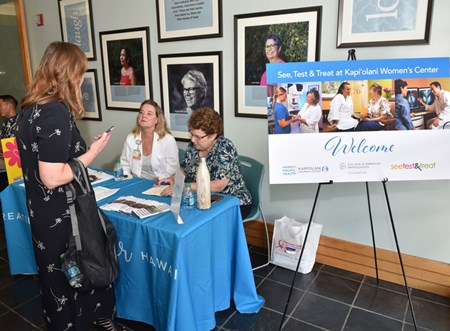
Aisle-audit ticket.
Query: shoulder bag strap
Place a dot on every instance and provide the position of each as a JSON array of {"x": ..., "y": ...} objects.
[
  {"x": 71, "y": 196},
  {"x": 80, "y": 175}
]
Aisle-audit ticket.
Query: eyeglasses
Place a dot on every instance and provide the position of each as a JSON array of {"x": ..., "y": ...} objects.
[
  {"x": 197, "y": 138},
  {"x": 190, "y": 90},
  {"x": 271, "y": 46}
]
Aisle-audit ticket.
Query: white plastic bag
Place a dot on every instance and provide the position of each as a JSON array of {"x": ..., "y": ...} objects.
[{"x": 287, "y": 242}]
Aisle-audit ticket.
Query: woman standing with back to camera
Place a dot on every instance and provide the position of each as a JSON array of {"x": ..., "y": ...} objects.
[{"x": 48, "y": 138}]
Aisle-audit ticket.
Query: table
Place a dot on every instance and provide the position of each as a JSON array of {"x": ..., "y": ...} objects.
[{"x": 172, "y": 276}]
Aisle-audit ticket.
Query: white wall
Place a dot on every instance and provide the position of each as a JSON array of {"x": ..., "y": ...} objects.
[{"x": 419, "y": 208}]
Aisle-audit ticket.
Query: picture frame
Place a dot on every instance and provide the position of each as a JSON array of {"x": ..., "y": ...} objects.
[
  {"x": 330, "y": 88},
  {"x": 77, "y": 25},
  {"x": 299, "y": 28},
  {"x": 314, "y": 87},
  {"x": 89, "y": 93},
  {"x": 369, "y": 24},
  {"x": 192, "y": 19},
  {"x": 126, "y": 68},
  {"x": 189, "y": 81}
]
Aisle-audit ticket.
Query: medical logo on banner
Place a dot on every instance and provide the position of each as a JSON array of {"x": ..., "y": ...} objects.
[{"x": 364, "y": 120}]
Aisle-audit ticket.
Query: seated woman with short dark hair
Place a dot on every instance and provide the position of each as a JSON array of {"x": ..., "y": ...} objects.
[{"x": 207, "y": 140}]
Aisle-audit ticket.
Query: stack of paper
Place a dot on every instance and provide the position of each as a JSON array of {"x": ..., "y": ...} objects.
[
  {"x": 136, "y": 206},
  {"x": 155, "y": 190},
  {"x": 103, "y": 192},
  {"x": 97, "y": 176}
]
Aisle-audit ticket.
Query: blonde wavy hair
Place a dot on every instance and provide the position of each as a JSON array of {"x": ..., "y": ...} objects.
[
  {"x": 279, "y": 90},
  {"x": 59, "y": 78},
  {"x": 161, "y": 126}
]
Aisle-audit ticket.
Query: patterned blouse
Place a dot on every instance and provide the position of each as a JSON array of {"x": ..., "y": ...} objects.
[
  {"x": 9, "y": 127},
  {"x": 222, "y": 162},
  {"x": 377, "y": 108}
]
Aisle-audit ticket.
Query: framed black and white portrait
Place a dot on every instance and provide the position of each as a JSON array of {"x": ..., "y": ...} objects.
[{"x": 188, "y": 82}]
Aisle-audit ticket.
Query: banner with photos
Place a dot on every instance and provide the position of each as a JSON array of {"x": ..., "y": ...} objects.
[{"x": 362, "y": 120}]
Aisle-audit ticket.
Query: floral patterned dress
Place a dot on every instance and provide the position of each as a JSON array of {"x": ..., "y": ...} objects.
[
  {"x": 222, "y": 162},
  {"x": 376, "y": 108},
  {"x": 48, "y": 133}
]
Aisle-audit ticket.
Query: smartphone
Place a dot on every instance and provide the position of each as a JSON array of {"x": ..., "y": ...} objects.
[
  {"x": 110, "y": 129},
  {"x": 216, "y": 197}
]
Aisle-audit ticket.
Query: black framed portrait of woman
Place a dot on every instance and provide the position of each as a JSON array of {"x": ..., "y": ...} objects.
[{"x": 189, "y": 82}]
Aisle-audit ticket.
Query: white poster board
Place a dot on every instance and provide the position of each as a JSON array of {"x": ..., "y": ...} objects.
[{"x": 419, "y": 154}]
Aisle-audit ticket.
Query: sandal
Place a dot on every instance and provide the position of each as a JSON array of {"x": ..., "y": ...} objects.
[{"x": 107, "y": 324}]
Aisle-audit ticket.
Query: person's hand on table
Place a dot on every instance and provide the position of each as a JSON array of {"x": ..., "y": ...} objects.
[{"x": 169, "y": 189}]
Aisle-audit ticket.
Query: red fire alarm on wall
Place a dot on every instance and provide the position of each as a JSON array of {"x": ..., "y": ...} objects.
[{"x": 40, "y": 19}]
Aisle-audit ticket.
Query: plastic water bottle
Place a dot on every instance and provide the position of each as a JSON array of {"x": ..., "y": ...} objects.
[
  {"x": 72, "y": 272},
  {"x": 188, "y": 198},
  {"x": 118, "y": 171}
]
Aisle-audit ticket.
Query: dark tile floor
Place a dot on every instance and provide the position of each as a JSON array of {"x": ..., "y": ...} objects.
[{"x": 325, "y": 299}]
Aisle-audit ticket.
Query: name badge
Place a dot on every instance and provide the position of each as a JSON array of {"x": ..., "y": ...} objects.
[{"x": 136, "y": 155}]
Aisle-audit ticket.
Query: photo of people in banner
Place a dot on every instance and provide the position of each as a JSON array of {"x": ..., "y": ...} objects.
[{"x": 364, "y": 105}]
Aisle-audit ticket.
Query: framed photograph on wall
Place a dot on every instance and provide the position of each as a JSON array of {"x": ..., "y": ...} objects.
[
  {"x": 313, "y": 87},
  {"x": 126, "y": 67},
  {"x": 76, "y": 25},
  {"x": 89, "y": 92},
  {"x": 270, "y": 37},
  {"x": 194, "y": 19},
  {"x": 364, "y": 23},
  {"x": 330, "y": 88},
  {"x": 188, "y": 82}
]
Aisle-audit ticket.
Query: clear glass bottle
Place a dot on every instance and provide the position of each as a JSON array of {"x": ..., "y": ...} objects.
[
  {"x": 72, "y": 272},
  {"x": 118, "y": 171},
  {"x": 203, "y": 186},
  {"x": 188, "y": 197}
]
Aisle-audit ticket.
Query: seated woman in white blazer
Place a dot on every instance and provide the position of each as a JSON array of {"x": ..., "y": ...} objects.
[{"x": 150, "y": 151}]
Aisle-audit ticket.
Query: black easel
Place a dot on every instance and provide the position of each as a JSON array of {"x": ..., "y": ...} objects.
[
  {"x": 352, "y": 56},
  {"x": 399, "y": 254}
]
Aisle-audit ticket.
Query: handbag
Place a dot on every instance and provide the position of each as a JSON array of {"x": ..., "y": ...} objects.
[
  {"x": 287, "y": 242},
  {"x": 92, "y": 236}
]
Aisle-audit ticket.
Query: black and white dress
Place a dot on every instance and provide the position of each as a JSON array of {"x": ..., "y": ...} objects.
[{"x": 48, "y": 133}]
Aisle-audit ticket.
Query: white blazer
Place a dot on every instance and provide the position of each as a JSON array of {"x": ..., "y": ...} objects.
[{"x": 164, "y": 156}]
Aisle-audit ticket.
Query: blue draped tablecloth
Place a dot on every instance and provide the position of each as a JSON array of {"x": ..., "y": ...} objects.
[{"x": 173, "y": 276}]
